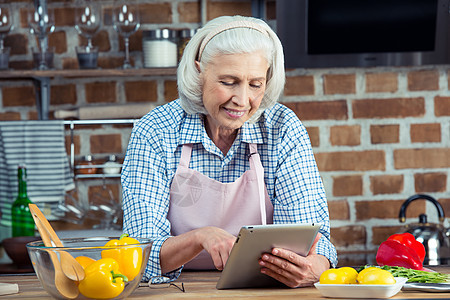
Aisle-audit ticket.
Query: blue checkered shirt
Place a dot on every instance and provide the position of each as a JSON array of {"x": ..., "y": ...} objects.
[{"x": 290, "y": 172}]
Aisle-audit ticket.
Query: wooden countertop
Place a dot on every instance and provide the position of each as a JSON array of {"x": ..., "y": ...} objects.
[{"x": 202, "y": 285}]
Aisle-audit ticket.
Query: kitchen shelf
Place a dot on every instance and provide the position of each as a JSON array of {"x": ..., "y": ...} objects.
[
  {"x": 41, "y": 79},
  {"x": 78, "y": 73},
  {"x": 72, "y": 124},
  {"x": 96, "y": 176}
]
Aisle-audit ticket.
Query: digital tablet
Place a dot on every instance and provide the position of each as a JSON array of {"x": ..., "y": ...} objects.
[{"x": 242, "y": 269}]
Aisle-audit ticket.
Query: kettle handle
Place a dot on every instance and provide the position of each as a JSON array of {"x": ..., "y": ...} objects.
[{"x": 439, "y": 208}]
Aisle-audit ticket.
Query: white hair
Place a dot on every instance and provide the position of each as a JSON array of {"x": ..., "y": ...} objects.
[{"x": 236, "y": 40}]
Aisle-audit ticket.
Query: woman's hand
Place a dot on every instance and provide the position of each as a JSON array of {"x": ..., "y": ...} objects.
[
  {"x": 217, "y": 242},
  {"x": 292, "y": 269},
  {"x": 178, "y": 250}
]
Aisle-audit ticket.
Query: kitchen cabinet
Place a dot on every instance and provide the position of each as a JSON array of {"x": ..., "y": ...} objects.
[{"x": 42, "y": 80}]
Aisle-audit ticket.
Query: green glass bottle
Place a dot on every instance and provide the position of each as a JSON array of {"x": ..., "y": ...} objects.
[{"x": 22, "y": 221}]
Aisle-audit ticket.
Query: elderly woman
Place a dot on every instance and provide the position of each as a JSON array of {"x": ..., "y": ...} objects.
[{"x": 225, "y": 155}]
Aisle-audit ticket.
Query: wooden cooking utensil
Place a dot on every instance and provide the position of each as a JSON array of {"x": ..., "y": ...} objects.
[
  {"x": 66, "y": 286},
  {"x": 69, "y": 265}
]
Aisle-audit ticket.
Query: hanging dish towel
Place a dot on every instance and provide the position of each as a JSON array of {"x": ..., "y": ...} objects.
[{"x": 40, "y": 146}]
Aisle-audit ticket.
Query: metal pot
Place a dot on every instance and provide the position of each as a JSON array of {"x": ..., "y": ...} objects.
[{"x": 435, "y": 237}]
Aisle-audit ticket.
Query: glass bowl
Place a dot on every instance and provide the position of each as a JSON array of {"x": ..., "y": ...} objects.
[{"x": 42, "y": 259}]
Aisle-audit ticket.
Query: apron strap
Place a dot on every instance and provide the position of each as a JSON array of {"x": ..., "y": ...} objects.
[
  {"x": 255, "y": 160},
  {"x": 185, "y": 159}
]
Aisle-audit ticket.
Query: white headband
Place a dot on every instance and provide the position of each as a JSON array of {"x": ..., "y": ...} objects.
[{"x": 227, "y": 26}]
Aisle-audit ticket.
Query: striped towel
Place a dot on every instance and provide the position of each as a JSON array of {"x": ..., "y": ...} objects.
[{"x": 40, "y": 146}]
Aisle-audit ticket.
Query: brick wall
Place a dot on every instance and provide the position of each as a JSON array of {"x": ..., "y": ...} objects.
[{"x": 379, "y": 135}]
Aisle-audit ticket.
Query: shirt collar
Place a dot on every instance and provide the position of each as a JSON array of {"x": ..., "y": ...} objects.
[{"x": 192, "y": 130}]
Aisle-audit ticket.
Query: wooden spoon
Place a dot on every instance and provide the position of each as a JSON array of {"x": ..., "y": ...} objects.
[
  {"x": 69, "y": 265},
  {"x": 65, "y": 286}
]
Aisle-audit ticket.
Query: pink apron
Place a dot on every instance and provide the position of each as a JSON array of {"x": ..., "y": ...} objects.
[{"x": 198, "y": 201}]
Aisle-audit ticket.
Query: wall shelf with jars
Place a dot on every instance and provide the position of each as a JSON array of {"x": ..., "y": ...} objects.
[{"x": 42, "y": 79}]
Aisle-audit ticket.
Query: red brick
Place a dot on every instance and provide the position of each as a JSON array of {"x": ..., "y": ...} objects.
[
  {"x": 351, "y": 185},
  {"x": 156, "y": 13},
  {"x": 19, "y": 96},
  {"x": 425, "y": 133},
  {"x": 229, "y": 8},
  {"x": 141, "y": 91},
  {"x": 386, "y": 184},
  {"x": 384, "y": 134},
  {"x": 398, "y": 108},
  {"x": 445, "y": 203},
  {"x": 339, "y": 210},
  {"x": 385, "y": 82},
  {"x": 170, "y": 90},
  {"x": 21, "y": 65},
  {"x": 100, "y": 92},
  {"x": 422, "y": 158},
  {"x": 346, "y": 135},
  {"x": 189, "y": 12},
  {"x": 106, "y": 143},
  {"x": 58, "y": 40},
  {"x": 33, "y": 115},
  {"x": 299, "y": 85},
  {"x": 63, "y": 94},
  {"x": 65, "y": 16},
  {"x": 442, "y": 106},
  {"x": 69, "y": 63},
  {"x": 380, "y": 234},
  {"x": 348, "y": 235},
  {"x": 339, "y": 84},
  {"x": 320, "y": 110},
  {"x": 24, "y": 17},
  {"x": 9, "y": 116},
  {"x": 314, "y": 136},
  {"x": 430, "y": 182},
  {"x": 424, "y": 80},
  {"x": 112, "y": 62},
  {"x": 386, "y": 209},
  {"x": 351, "y": 161},
  {"x": 17, "y": 42}
]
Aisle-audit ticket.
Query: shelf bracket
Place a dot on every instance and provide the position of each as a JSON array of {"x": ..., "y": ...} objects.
[{"x": 42, "y": 85}]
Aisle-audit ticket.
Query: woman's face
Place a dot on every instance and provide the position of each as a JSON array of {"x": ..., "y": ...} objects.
[{"x": 233, "y": 87}]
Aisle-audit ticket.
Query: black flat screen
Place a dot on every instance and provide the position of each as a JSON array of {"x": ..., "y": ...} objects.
[{"x": 362, "y": 26}]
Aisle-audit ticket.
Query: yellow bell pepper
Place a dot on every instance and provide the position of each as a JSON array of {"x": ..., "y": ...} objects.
[
  {"x": 84, "y": 261},
  {"x": 102, "y": 280},
  {"x": 129, "y": 258}
]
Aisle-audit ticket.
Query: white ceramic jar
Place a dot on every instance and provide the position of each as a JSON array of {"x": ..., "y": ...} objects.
[{"x": 160, "y": 48}]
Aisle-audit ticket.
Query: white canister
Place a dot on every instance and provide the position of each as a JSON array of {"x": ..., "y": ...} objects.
[{"x": 159, "y": 48}]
